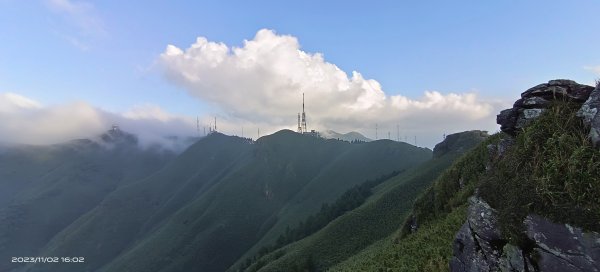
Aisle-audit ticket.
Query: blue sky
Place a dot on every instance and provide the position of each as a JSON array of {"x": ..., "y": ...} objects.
[{"x": 107, "y": 53}]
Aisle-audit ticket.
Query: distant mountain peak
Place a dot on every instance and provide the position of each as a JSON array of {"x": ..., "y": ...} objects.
[
  {"x": 458, "y": 142},
  {"x": 350, "y": 136},
  {"x": 117, "y": 136}
]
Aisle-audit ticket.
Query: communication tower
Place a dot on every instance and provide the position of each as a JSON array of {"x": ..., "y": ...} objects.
[{"x": 304, "y": 129}]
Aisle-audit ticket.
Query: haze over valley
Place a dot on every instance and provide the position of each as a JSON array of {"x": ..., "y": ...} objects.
[{"x": 299, "y": 136}]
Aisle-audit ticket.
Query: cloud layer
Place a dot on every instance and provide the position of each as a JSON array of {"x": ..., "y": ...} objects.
[
  {"x": 26, "y": 121},
  {"x": 263, "y": 81}
]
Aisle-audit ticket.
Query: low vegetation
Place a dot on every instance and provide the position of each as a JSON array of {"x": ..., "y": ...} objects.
[
  {"x": 439, "y": 212},
  {"x": 453, "y": 187},
  {"x": 373, "y": 223},
  {"x": 551, "y": 170},
  {"x": 426, "y": 250},
  {"x": 351, "y": 199}
]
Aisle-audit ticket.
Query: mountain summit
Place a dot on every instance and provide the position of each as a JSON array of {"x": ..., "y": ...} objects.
[{"x": 348, "y": 137}]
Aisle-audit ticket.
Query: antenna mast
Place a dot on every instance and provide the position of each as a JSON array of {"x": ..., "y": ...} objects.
[
  {"x": 299, "y": 126},
  {"x": 303, "y": 116},
  {"x": 215, "y": 124},
  {"x": 375, "y": 131}
]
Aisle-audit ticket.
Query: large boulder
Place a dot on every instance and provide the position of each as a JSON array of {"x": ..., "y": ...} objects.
[
  {"x": 478, "y": 243},
  {"x": 534, "y": 101},
  {"x": 561, "y": 247},
  {"x": 514, "y": 260}
]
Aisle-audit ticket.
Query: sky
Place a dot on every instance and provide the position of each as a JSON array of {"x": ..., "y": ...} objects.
[{"x": 72, "y": 68}]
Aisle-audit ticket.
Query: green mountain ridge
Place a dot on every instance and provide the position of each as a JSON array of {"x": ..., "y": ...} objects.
[
  {"x": 219, "y": 203},
  {"x": 46, "y": 188},
  {"x": 219, "y": 199},
  {"x": 377, "y": 218}
]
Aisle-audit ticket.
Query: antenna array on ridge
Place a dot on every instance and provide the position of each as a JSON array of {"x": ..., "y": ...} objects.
[{"x": 302, "y": 128}]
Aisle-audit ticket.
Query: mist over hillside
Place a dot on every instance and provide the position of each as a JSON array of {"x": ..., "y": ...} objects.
[
  {"x": 47, "y": 188},
  {"x": 306, "y": 136},
  {"x": 204, "y": 207}
]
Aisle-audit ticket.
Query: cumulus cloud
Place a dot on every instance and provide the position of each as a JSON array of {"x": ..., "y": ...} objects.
[
  {"x": 11, "y": 102},
  {"x": 263, "y": 81},
  {"x": 26, "y": 121}
]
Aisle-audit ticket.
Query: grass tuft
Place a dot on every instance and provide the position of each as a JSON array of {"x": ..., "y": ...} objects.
[{"x": 552, "y": 170}]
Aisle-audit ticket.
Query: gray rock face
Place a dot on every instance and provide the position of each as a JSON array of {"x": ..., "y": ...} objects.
[
  {"x": 467, "y": 256},
  {"x": 589, "y": 114},
  {"x": 513, "y": 260},
  {"x": 503, "y": 146},
  {"x": 507, "y": 119},
  {"x": 535, "y": 100},
  {"x": 561, "y": 247},
  {"x": 559, "y": 89},
  {"x": 497, "y": 151},
  {"x": 478, "y": 244}
]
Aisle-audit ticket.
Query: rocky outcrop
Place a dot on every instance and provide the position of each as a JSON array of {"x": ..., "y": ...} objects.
[
  {"x": 561, "y": 247},
  {"x": 534, "y": 102},
  {"x": 590, "y": 116},
  {"x": 479, "y": 245},
  {"x": 497, "y": 151}
]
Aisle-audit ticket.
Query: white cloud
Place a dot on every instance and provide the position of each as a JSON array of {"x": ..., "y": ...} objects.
[
  {"x": 263, "y": 81},
  {"x": 594, "y": 69},
  {"x": 24, "y": 120},
  {"x": 11, "y": 102},
  {"x": 83, "y": 16}
]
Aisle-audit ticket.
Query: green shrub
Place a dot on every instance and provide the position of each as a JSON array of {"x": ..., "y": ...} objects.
[
  {"x": 453, "y": 187},
  {"x": 552, "y": 170},
  {"x": 429, "y": 249}
]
